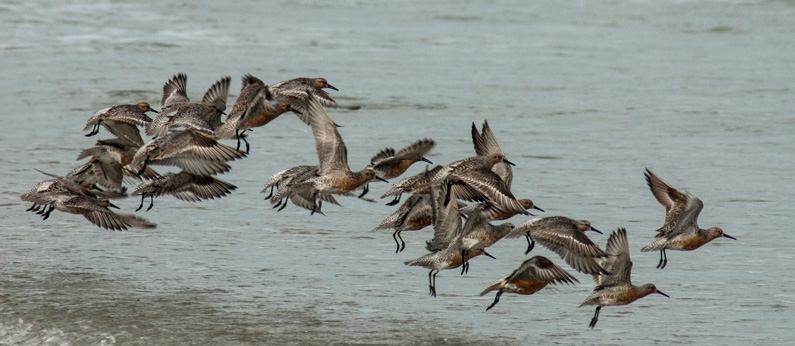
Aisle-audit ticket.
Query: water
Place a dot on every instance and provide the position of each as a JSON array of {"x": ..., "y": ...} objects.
[{"x": 581, "y": 95}]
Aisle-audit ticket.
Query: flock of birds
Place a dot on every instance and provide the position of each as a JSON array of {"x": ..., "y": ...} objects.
[{"x": 186, "y": 135}]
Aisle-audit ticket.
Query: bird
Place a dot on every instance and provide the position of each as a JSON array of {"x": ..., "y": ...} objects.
[
  {"x": 388, "y": 164},
  {"x": 533, "y": 275},
  {"x": 254, "y": 107},
  {"x": 334, "y": 176},
  {"x": 122, "y": 121},
  {"x": 298, "y": 91},
  {"x": 566, "y": 237},
  {"x": 680, "y": 230},
  {"x": 486, "y": 143},
  {"x": 473, "y": 180},
  {"x": 189, "y": 150},
  {"x": 176, "y": 110},
  {"x": 413, "y": 215},
  {"x": 184, "y": 186},
  {"x": 446, "y": 244},
  {"x": 616, "y": 288}
]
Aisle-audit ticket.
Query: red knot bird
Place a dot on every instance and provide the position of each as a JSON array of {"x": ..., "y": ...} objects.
[
  {"x": 533, "y": 275},
  {"x": 473, "y": 180},
  {"x": 72, "y": 197},
  {"x": 122, "y": 121},
  {"x": 191, "y": 151},
  {"x": 176, "y": 110},
  {"x": 680, "y": 230},
  {"x": 287, "y": 184},
  {"x": 446, "y": 245},
  {"x": 413, "y": 215},
  {"x": 567, "y": 238},
  {"x": 616, "y": 288},
  {"x": 254, "y": 107},
  {"x": 334, "y": 176},
  {"x": 298, "y": 91},
  {"x": 389, "y": 164},
  {"x": 184, "y": 186}
]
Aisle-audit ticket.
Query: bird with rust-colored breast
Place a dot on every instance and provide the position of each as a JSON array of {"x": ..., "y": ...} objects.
[{"x": 680, "y": 230}]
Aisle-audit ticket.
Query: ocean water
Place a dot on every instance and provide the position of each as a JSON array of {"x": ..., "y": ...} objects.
[{"x": 582, "y": 96}]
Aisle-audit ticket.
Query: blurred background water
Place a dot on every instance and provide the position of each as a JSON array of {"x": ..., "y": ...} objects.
[{"x": 581, "y": 95}]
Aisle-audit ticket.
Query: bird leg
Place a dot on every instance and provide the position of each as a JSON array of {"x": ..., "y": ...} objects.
[
  {"x": 366, "y": 190},
  {"x": 94, "y": 130},
  {"x": 143, "y": 196},
  {"x": 663, "y": 259},
  {"x": 530, "y": 243},
  {"x": 395, "y": 236},
  {"x": 432, "y": 282},
  {"x": 396, "y": 200},
  {"x": 47, "y": 214},
  {"x": 595, "y": 317},
  {"x": 271, "y": 193},
  {"x": 151, "y": 202},
  {"x": 496, "y": 300}
]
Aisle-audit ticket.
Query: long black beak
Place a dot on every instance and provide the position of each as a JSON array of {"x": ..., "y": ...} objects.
[
  {"x": 728, "y": 236},
  {"x": 426, "y": 160},
  {"x": 508, "y": 162},
  {"x": 332, "y": 87},
  {"x": 381, "y": 179},
  {"x": 113, "y": 205},
  {"x": 152, "y": 110},
  {"x": 489, "y": 255},
  {"x": 537, "y": 208},
  {"x": 664, "y": 294},
  {"x": 297, "y": 112},
  {"x": 596, "y": 230}
]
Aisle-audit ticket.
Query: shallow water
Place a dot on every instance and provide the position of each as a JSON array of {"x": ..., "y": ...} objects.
[{"x": 582, "y": 97}]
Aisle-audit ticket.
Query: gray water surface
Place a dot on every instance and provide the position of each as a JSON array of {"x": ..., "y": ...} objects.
[{"x": 582, "y": 96}]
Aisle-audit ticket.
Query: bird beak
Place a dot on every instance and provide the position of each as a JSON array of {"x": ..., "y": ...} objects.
[
  {"x": 664, "y": 294},
  {"x": 728, "y": 236},
  {"x": 596, "y": 230},
  {"x": 381, "y": 179},
  {"x": 426, "y": 160},
  {"x": 508, "y": 162},
  {"x": 113, "y": 205},
  {"x": 297, "y": 112},
  {"x": 152, "y": 110},
  {"x": 537, "y": 208},
  {"x": 489, "y": 255},
  {"x": 332, "y": 87}
]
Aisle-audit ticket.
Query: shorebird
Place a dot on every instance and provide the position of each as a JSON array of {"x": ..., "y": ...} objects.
[
  {"x": 254, "y": 107},
  {"x": 486, "y": 144},
  {"x": 184, "y": 186},
  {"x": 298, "y": 92},
  {"x": 334, "y": 176},
  {"x": 567, "y": 238},
  {"x": 472, "y": 179},
  {"x": 301, "y": 195},
  {"x": 446, "y": 244},
  {"x": 413, "y": 215},
  {"x": 533, "y": 275},
  {"x": 191, "y": 151},
  {"x": 616, "y": 288},
  {"x": 108, "y": 160},
  {"x": 176, "y": 110},
  {"x": 68, "y": 195},
  {"x": 122, "y": 121},
  {"x": 388, "y": 164},
  {"x": 680, "y": 230}
]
